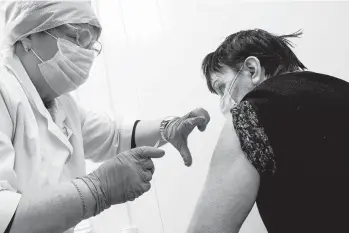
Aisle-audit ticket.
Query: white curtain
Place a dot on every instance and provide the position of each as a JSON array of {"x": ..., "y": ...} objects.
[{"x": 150, "y": 68}]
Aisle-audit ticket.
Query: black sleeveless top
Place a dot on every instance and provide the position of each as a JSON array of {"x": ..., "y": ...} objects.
[{"x": 294, "y": 129}]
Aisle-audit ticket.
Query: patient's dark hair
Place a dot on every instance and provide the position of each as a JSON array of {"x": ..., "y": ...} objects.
[{"x": 273, "y": 52}]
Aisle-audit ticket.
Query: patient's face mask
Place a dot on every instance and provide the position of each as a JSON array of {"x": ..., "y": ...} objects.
[
  {"x": 69, "y": 68},
  {"x": 227, "y": 102}
]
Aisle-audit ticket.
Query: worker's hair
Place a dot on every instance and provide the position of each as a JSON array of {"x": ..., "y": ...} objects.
[{"x": 273, "y": 52}]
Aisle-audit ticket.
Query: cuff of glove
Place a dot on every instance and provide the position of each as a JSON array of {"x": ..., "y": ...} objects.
[
  {"x": 164, "y": 123},
  {"x": 98, "y": 194}
]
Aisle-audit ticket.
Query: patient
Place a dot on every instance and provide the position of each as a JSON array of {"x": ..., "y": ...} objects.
[{"x": 285, "y": 144}]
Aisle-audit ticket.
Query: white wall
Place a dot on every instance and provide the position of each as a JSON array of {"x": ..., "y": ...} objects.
[{"x": 152, "y": 54}]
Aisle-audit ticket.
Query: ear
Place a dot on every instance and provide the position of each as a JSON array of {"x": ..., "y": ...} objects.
[
  {"x": 27, "y": 44},
  {"x": 253, "y": 66}
]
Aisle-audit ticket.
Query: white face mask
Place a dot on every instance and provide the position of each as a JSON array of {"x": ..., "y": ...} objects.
[
  {"x": 227, "y": 102},
  {"x": 68, "y": 69}
]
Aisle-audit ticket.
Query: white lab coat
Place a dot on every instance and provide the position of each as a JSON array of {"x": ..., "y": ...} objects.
[{"x": 34, "y": 151}]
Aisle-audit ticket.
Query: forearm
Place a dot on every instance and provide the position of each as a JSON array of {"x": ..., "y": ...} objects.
[
  {"x": 52, "y": 209},
  {"x": 148, "y": 133}
]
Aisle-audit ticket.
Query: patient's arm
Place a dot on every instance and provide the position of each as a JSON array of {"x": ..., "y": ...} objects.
[{"x": 230, "y": 189}]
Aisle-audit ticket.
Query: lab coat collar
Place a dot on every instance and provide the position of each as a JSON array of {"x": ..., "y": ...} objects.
[{"x": 13, "y": 63}]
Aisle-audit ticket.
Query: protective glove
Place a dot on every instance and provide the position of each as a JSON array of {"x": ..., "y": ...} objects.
[
  {"x": 177, "y": 131},
  {"x": 122, "y": 178}
]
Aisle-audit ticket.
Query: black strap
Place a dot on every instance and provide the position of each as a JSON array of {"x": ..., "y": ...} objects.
[{"x": 133, "y": 138}]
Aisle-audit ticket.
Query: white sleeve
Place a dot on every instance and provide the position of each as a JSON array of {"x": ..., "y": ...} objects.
[
  {"x": 103, "y": 137},
  {"x": 9, "y": 198},
  {"x": 9, "y": 201}
]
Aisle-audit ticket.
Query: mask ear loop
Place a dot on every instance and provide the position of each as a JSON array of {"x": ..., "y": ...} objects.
[
  {"x": 231, "y": 87},
  {"x": 36, "y": 53},
  {"x": 50, "y": 35}
]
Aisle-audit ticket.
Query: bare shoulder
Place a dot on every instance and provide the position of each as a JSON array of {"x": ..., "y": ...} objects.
[{"x": 228, "y": 147}]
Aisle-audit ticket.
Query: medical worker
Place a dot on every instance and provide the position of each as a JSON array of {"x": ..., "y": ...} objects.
[{"x": 45, "y": 137}]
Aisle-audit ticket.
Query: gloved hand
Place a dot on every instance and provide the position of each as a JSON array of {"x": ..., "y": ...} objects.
[
  {"x": 123, "y": 178},
  {"x": 177, "y": 131}
]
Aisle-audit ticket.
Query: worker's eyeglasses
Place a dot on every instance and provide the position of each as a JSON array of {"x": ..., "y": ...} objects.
[
  {"x": 96, "y": 48},
  {"x": 83, "y": 37}
]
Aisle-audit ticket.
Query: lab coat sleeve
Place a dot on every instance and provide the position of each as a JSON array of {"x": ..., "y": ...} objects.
[
  {"x": 9, "y": 198},
  {"x": 103, "y": 137}
]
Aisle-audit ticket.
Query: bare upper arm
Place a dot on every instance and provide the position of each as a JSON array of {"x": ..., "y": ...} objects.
[
  {"x": 230, "y": 189},
  {"x": 228, "y": 147}
]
